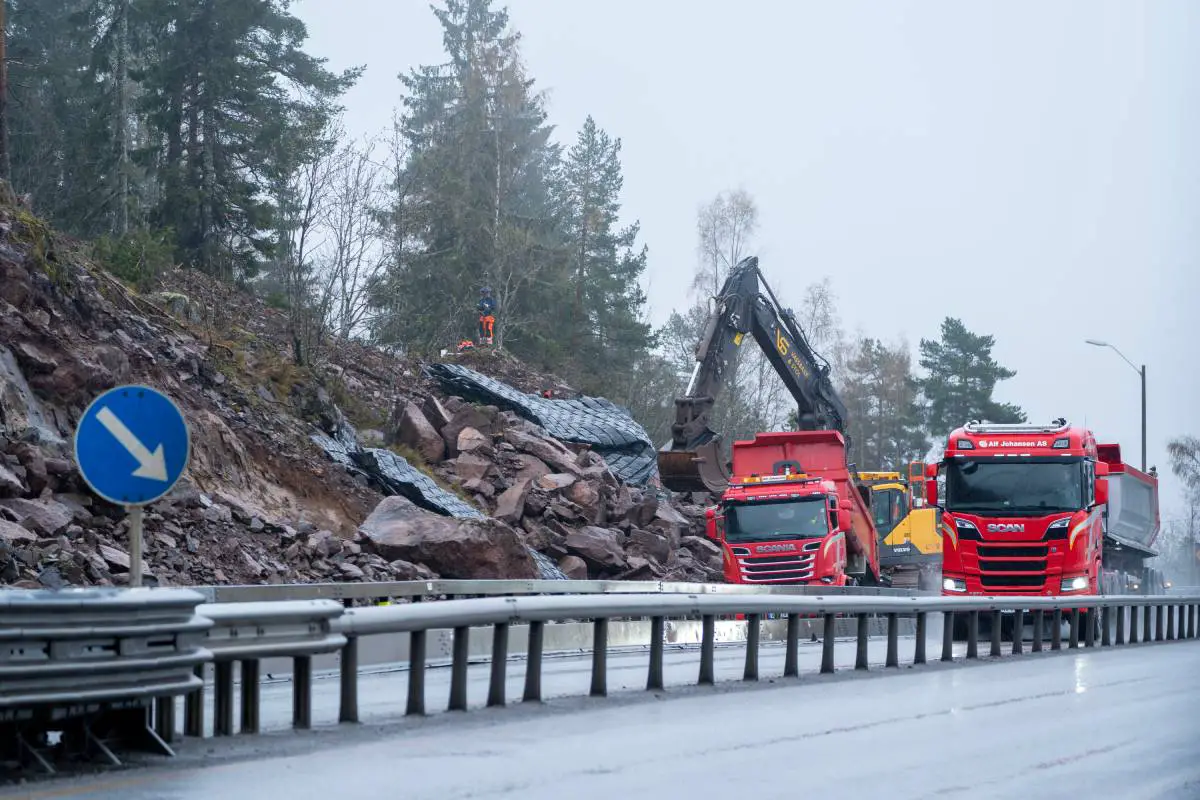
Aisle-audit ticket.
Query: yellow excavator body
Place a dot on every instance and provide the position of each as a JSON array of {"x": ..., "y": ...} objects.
[{"x": 910, "y": 552}]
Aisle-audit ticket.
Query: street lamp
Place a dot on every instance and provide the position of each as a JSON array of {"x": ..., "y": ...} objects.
[{"x": 1141, "y": 371}]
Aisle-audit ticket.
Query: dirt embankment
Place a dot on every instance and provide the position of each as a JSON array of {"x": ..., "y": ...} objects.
[{"x": 261, "y": 501}]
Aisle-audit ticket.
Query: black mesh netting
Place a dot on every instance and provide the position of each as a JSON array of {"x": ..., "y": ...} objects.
[
  {"x": 607, "y": 427},
  {"x": 393, "y": 475}
]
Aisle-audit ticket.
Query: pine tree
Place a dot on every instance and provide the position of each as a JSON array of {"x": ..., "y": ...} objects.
[
  {"x": 233, "y": 104},
  {"x": 478, "y": 202},
  {"x": 961, "y": 376},
  {"x": 607, "y": 331},
  {"x": 880, "y": 393},
  {"x": 59, "y": 142}
]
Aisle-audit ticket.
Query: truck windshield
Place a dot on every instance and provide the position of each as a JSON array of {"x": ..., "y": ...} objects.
[
  {"x": 1014, "y": 486},
  {"x": 785, "y": 519}
]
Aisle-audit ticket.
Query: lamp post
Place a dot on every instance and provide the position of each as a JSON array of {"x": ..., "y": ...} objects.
[{"x": 1140, "y": 371}]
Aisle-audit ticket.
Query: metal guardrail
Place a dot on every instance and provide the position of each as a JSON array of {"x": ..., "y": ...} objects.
[
  {"x": 250, "y": 632},
  {"x": 1096, "y": 621},
  {"x": 89, "y": 662},
  {"x": 92, "y": 654},
  {"x": 452, "y": 589}
]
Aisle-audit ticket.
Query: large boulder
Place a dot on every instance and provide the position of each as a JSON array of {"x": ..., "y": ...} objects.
[
  {"x": 46, "y": 517},
  {"x": 510, "y": 505},
  {"x": 650, "y": 544},
  {"x": 414, "y": 430},
  {"x": 482, "y": 419},
  {"x": 598, "y": 547},
  {"x": 573, "y": 567},
  {"x": 549, "y": 451},
  {"x": 453, "y": 548},
  {"x": 10, "y": 484}
]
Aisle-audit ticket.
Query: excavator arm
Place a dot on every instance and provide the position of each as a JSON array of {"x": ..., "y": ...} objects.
[{"x": 746, "y": 306}]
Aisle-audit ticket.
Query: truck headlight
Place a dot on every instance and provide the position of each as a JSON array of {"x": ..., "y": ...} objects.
[
  {"x": 1077, "y": 584},
  {"x": 954, "y": 585}
]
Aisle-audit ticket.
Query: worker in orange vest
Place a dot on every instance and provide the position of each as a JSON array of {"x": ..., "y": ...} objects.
[{"x": 487, "y": 315}]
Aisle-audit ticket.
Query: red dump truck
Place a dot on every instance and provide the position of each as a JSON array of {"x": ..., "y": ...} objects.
[
  {"x": 1043, "y": 510},
  {"x": 794, "y": 514}
]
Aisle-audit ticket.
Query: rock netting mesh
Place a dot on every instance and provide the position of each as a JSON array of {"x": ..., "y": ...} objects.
[{"x": 594, "y": 421}]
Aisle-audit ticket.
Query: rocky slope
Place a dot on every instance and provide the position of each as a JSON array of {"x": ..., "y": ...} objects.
[{"x": 263, "y": 500}]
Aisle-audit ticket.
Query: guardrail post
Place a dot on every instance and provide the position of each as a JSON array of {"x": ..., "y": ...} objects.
[
  {"x": 972, "y": 634},
  {"x": 496, "y": 684},
  {"x": 458, "y": 669},
  {"x": 1089, "y": 633},
  {"x": 893, "y": 641},
  {"x": 599, "y": 658},
  {"x": 708, "y": 625},
  {"x": 348, "y": 702},
  {"x": 753, "y": 628},
  {"x": 1191, "y": 621},
  {"x": 193, "y": 708},
  {"x": 302, "y": 692},
  {"x": 1039, "y": 622},
  {"x": 864, "y": 632},
  {"x": 1018, "y": 631},
  {"x": 1170, "y": 622},
  {"x": 1133, "y": 624},
  {"x": 948, "y": 636},
  {"x": 251, "y": 692},
  {"x": 1105, "y": 622},
  {"x": 533, "y": 662},
  {"x": 164, "y": 718},
  {"x": 922, "y": 628},
  {"x": 1056, "y": 632},
  {"x": 1074, "y": 641},
  {"x": 1158, "y": 623},
  {"x": 415, "y": 705},
  {"x": 1120, "y": 610},
  {"x": 791, "y": 662},
  {"x": 654, "y": 677},
  {"x": 1147, "y": 634},
  {"x": 827, "y": 641},
  {"x": 996, "y": 626},
  {"x": 223, "y": 698}
]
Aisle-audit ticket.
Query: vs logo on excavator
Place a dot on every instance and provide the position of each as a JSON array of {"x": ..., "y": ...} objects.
[{"x": 781, "y": 345}]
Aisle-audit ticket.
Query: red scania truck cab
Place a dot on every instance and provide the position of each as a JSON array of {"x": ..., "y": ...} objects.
[
  {"x": 1041, "y": 510},
  {"x": 793, "y": 514}
]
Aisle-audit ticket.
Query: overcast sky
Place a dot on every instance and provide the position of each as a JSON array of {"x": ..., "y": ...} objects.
[{"x": 1028, "y": 167}]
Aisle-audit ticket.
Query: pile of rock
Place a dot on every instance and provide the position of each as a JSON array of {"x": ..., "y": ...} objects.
[
  {"x": 53, "y": 533},
  {"x": 560, "y": 500}
]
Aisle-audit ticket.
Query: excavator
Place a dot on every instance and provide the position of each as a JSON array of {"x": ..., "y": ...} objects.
[{"x": 692, "y": 461}]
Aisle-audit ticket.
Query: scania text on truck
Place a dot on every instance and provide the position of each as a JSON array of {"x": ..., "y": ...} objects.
[{"x": 1042, "y": 510}]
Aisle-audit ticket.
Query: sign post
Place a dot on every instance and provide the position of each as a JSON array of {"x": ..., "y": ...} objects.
[{"x": 132, "y": 445}]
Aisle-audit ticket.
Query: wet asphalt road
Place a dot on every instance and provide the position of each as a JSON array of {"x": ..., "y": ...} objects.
[{"x": 1086, "y": 724}]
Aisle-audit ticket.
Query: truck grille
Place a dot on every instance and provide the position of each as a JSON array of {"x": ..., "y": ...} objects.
[
  {"x": 789, "y": 568},
  {"x": 1016, "y": 567}
]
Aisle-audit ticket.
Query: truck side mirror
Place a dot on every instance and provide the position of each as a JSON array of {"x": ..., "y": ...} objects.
[
  {"x": 1102, "y": 492},
  {"x": 713, "y": 527},
  {"x": 931, "y": 492},
  {"x": 843, "y": 518}
]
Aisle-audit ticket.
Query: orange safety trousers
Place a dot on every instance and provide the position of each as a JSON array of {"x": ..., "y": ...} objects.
[{"x": 486, "y": 324}]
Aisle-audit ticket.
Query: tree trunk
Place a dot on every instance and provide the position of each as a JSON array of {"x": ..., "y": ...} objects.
[
  {"x": 5, "y": 163},
  {"x": 123, "y": 117}
]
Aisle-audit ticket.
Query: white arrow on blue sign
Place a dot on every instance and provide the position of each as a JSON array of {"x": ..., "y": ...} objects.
[{"x": 132, "y": 444}]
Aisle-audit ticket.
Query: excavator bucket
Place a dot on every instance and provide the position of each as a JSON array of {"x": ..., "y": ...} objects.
[{"x": 699, "y": 470}]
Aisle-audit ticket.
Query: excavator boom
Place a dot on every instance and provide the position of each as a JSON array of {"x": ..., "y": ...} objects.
[{"x": 746, "y": 306}]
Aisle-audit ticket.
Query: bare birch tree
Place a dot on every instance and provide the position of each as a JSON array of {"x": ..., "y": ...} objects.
[{"x": 354, "y": 253}]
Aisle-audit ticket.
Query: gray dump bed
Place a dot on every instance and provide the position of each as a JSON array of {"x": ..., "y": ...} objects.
[{"x": 1132, "y": 510}]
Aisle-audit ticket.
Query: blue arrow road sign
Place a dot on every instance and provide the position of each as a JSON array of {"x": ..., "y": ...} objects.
[{"x": 132, "y": 444}]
